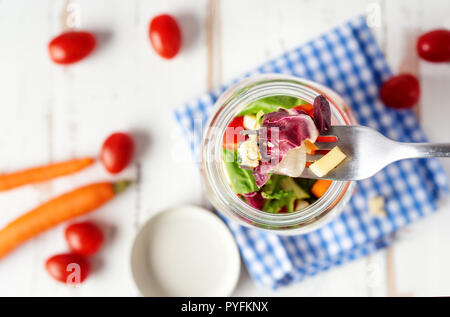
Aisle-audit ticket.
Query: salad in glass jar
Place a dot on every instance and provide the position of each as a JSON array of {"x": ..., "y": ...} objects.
[
  {"x": 265, "y": 150},
  {"x": 260, "y": 137}
]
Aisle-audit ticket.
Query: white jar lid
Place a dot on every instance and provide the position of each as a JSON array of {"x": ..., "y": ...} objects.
[{"x": 185, "y": 251}]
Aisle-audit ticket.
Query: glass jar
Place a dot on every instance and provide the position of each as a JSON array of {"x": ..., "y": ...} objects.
[{"x": 218, "y": 190}]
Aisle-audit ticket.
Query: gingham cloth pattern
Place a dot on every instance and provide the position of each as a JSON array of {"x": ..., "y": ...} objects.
[{"x": 348, "y": 60}]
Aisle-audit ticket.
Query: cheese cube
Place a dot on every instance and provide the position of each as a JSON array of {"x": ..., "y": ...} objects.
[
  {"x": 328, "y": 162},
  {"x": 248, "y": 152},
  {"x": 376, "y": 207}
]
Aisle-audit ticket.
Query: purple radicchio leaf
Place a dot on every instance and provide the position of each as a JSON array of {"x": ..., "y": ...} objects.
[
  {"x": 284, "y": 131},
  {"x": 255, "y": 200},
  {"x": 260, "y": 174},
  {"x": 322, "y": 113}
]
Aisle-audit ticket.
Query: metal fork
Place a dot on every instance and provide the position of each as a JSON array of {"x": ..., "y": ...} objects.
[{"x": 368, "y": 152}]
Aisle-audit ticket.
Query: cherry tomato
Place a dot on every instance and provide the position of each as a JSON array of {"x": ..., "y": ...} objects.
[
  {"x": 117, "y": 152},
  {"x": 165, "y": 35},
  {"x": 71, "y": 47},
  {"x": 434, "y": 46},
  {"x": 69, "y": 268},
  {"x": 232, "y": 135},
  {"x": 401, "y": 91},
  {"x": 84, "y": 238}
]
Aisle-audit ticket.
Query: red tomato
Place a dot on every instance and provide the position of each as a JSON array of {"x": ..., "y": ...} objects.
[
  {"x": 401, "y": 91},
  {"x": 71, "y": 47},
  {"x": 165, "y": 35},
  {"x": 232, "y": 135},
  {"x": 117, "y": 152},
  {"x": 84, "y": 238},
  {"x": 307, "y": 107},
  {"x": 434, "y": 46},
  {"x": 68, "y": 268}
]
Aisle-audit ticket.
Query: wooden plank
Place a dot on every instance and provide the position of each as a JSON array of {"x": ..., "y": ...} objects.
[
  {"x": 256, "y": 32},
  {"x": 418, "y": 259},
  {"x": 24, "y": 116},
  {"x": 214, "y": 43},
  {"x": 124, "y": 85},
  {"x": 51, "y": 113}
]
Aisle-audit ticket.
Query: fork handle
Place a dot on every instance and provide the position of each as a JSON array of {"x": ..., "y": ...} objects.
[{"x": 419, "y": 150}]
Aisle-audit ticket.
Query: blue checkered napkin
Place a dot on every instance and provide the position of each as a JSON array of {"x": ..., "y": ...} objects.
[{"x": 348, "y": 60}]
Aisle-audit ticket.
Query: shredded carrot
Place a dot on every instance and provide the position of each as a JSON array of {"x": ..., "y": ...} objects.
[
  {"x": 67, "y": 206},
  {"x": 42, "y": 173},
  {"x": 310, "y": 147},
  {"x": 320, "y": 187}
]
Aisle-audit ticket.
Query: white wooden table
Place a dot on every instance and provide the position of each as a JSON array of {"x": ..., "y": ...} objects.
[{"x": 50, "y": 113}]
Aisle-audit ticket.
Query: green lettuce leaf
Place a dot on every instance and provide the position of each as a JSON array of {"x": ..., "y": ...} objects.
[
  {"x": 288, "y": 184},
  {"x": 305, "y": 183},
  {"x": 271, "y": 104},
  {"x": 272, "y": 185},
  {"x": 242, "y": 180},
  {"x": 278, "y": 195},
  {"x": 275, "y": 205},
  {"x": 280, "y": 191}
]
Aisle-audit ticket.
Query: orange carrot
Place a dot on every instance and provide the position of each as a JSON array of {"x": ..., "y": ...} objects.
[
  {"x": 62, "y": 208},
  {"x": 42, "y": 173},
  {"x": 320, "y": 187}
]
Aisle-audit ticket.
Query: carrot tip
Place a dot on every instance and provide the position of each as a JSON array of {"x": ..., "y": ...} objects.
[{"x": 121, "y": 186}]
